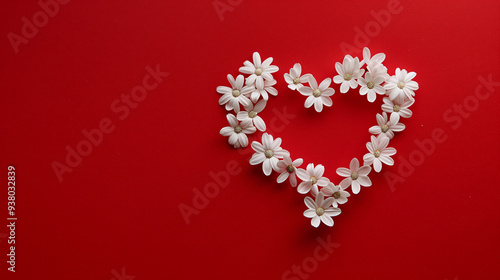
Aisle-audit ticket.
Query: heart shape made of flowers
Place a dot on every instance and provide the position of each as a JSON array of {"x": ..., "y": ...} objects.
[{"x": 252, "y": 94}]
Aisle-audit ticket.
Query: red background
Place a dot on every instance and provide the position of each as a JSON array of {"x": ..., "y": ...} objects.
[{"x": 120, "y": 207}]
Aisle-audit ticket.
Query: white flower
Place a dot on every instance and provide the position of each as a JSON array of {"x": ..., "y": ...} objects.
[
  {"x": 237, "y": 132},
  {"x": 320, "y": 210},
  {"x": 397, "y": 107},
  {"x": 337, "y": 193},
  {"x": 251, "y": 112},
  {"x": 387, "y": 127},
  {"x": 379, "y": 152},
  {"x": 371, "y": 85},
  {"x": 379, "y": 70},
  {"x": 356, "y": 176},
  {"x": 348, "y": 73},
  {"x": 317, "y": 95},
  {"x": 259, "y": 71},
  {"x": 372, "y": 61},
  {"x": 401, "y": 85},
  {"x": 294, "y": 79},
  {"x": 268, "y": 153},
  {"x": 234, "y": 95},
  {"x": 268, "y": 88},
  {"x": 288, "y": 169},
  {"x": 312, "y": 177}
]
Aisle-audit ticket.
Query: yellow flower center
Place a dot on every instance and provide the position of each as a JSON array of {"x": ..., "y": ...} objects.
[
  {"x": 296, "y": 81},
  {"x": 252, "y": 114},
  {"x": 290, "y": 168},
  {"x": 336, "y": 195},
  {"x": 258, "y": 71},
  {"x": 377, "y": 153},
  {"x": 354, "y": 175},
  {"x": 396, "y": 108},
  {"x": 314, "y": 180},
  {"x": 237, "y": 129},
  {"x": 317, "y": 93},
  {"x": 236, "y": 93},
  {"x": 269, "y": 153},
  {"x": 401, "y": 85},
  {"x": 320, "y": 211},
  {"x": 384, "y": 128},
  {"x": 347, "y": 77}
]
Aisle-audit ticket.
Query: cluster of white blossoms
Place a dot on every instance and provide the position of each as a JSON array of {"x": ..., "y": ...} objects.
[
  {"x": 399, "y": 90},
  {"x": 246, "y": 93}
]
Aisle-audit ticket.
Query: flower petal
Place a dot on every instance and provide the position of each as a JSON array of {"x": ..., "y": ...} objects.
[
  {"x": 257, "y": 158},
  {"x": 293, "y": 180},
  {"x": 276, "y": 144},
  {"x": 344, "y": 87},
  {"x": 310, "y": 203},
  {"x": 345, "y": 183},
  {"x": 377, "y": 165},
  {"x": 282, "y": 177},
  {"x": 344, "y": 172},
  {"x": 267, "y": 141},
  {"x": 310, "y": 213},
  {"x": 364, "y": 181},
  {"x": 325, "y": 84},
  {"x": 227, "y": 131},
  {"x": 256, "y": 59},
  {"x": 272, "y": 69},
  {"x": 323, "y": 181},
  {"x": 327, "y": 202},
  {"x": 233, "y": 138},
  {"x": 364, "y": 170},
  {"x": 327, "y": 220},
  {"x": 319, "y": 170},
  {"x": 389, "y": 151},
  {"x": 315, "y": 221},
  {"x": 354, "y": 164},
  {"x": 355, "y": 187},
  {"x": 259, "y": 123},
  {"x": 258, "y": 147},
  {"x": 309, "y": 101},
  {"x": 386, "y": 159},
  {"x": 232, "y": 120},
  {"x": 328, "y": 92},
  {"x": 306, "y": 91},
  {"x": 332, "y": 212},
  {"x": 313, "y": 82},
  {"x": 266, "y": 167},
  {"x": 243, "y": 139},
  {"x": 318, "y": 105},
  {"x": 326, "y": 100},
  {"x": 298, "y": 68},
  {"x": 267, "y": 62},
  {"x": 304, "y": 187}
]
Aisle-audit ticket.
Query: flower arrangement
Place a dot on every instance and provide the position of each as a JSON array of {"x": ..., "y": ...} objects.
[{"x": 252, "y": 92}]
